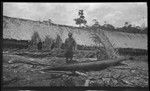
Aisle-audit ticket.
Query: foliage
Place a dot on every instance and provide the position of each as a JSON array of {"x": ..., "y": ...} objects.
[
  {"x": 108, "y": 27},
  {"x": 128, "y": 28},
  {"x": 96, "y": 23},
  {"x": 81, "y": 19}
]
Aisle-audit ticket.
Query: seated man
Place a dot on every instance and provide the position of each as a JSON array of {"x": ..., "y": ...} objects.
[{"x": 70, "y": 46}]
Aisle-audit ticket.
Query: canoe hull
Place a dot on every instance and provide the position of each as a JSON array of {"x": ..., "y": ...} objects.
[{"x": 98, "y": 65}]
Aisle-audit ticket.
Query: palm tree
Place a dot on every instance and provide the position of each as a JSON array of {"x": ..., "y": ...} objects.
[
  {"x": 99, "y": 38},
  {"x": 126, "y": 24}
]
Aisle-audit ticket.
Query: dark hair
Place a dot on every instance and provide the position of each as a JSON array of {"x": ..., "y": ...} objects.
[{"x": 69, "y": 34}]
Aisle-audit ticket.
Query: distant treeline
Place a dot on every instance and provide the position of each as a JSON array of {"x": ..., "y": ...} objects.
[
  {"x": 21, "y": 44},
  {"x": 126, "y": 29},
  {"x": 132, "y": 30}
]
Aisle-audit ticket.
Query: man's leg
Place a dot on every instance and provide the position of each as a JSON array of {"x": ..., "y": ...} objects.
[
  {"x": 66, "y": 56},
  {"x": 71, "y": 57}
]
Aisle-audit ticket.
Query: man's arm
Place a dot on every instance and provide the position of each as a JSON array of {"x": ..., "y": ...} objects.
[{"x": 65, "y": 43}]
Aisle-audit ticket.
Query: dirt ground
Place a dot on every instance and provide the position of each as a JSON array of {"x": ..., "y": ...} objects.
[{"x": 22, "y": 69}]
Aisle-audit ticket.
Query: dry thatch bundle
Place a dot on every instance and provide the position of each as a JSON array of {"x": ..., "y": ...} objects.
[
  {"x": 35, "y": 39},
  {"x": 58, "y": 41},
  {"x": 48, "y": 43}
]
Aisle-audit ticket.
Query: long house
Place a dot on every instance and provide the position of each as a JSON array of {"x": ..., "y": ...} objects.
[{"x": 22, "y": 29}]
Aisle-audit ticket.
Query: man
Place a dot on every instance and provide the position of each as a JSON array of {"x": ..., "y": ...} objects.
[{"x": 70, "y": 46}]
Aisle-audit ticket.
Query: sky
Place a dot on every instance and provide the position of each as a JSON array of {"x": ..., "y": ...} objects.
[{"x": 65, "y": 13}]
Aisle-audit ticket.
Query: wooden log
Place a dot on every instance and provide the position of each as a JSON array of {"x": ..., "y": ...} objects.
[{"x": 86, "y": 66}]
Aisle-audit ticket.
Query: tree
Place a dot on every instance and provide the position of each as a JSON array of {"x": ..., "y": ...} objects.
[
  {"x": 145, "y": 30},
  {"x": 96, "y": 23},
  {"x": 101, "y": 40},
  {"x": 126, "y": 24},
  {"x": 109, "y": 27},
  {"x": 81, "y": 19}
]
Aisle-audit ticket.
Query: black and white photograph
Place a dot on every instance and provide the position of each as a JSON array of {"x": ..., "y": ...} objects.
[{"x": 103, "y": 44}]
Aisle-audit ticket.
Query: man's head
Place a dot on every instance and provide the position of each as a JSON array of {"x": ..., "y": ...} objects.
[{"x": 69, "y": 34}]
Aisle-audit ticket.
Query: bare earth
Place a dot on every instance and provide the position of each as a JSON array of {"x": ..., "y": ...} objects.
[{"x": 23, "y": 70}]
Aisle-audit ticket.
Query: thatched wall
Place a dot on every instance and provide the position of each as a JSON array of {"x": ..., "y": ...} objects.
[{"x": 23, "y": 29}]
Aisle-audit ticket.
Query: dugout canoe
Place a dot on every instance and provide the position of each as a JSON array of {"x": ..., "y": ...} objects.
[{"x": 87, "y": 66}]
